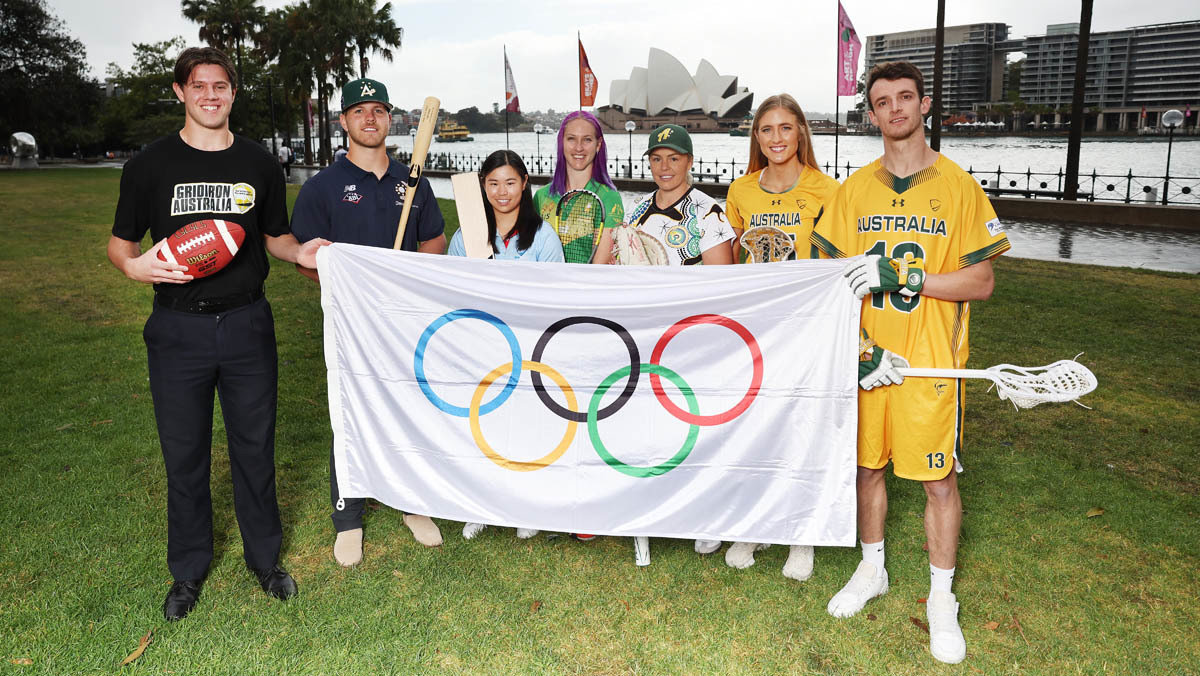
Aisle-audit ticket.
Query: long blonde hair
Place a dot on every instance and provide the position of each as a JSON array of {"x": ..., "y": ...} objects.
[{"x": 804, "y": 152}]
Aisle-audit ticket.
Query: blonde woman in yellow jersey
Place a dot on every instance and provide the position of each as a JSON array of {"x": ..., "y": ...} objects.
[
  {"x": 928, "y": 234},
  {"x": 783, "y": 186}
]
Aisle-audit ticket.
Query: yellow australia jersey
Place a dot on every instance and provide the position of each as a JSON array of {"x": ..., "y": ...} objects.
[
  {"x": 795, "y": 212},
  {"x": 939, "y": 214}
]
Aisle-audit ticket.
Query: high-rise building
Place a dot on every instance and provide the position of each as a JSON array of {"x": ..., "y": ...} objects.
[
  {"x": 1155, "y": 65},
  {"x": 972, "y": 66}
]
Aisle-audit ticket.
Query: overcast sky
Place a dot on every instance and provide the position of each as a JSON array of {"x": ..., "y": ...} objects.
[{"x": 453, "y": 50}]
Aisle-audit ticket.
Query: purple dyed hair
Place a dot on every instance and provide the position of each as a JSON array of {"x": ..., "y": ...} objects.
[{"x": 599, "y": 165}]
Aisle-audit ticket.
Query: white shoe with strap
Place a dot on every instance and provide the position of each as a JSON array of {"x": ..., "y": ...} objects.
[{"x": 347, "y": 548}]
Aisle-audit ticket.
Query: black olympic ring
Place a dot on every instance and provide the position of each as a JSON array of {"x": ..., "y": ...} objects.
[{"x": 635, "y": 363}]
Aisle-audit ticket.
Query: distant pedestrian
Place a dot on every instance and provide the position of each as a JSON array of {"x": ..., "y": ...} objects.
[
  {"x": 285, "y": 159},
  {"x": 339, "y": 153}
]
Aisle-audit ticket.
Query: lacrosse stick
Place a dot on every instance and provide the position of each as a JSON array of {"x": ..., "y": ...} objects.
[
  {"x": 767, "y": 244},
  {"x": 631, "y": 246},
  {"x": 1064, "y": 380}
]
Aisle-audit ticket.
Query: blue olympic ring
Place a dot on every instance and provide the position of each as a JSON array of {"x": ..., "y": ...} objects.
[{"x": 419, "y": 362}]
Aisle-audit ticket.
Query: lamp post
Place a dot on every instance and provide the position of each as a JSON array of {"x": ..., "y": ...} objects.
[
  {"x": 1172, "y": 118},
  {"x": 630, "y": 125},
  {"x": 537, "y": 132}
]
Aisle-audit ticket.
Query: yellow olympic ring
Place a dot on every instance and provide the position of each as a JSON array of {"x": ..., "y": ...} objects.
[{"x": 477, "y": 400}]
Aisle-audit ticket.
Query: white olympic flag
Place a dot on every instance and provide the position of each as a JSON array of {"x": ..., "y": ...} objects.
[{"x": 702, "y": 402}]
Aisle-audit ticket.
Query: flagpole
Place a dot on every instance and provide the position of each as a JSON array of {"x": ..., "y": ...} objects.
[
  {"x": 579, "y": 41},
  {"x": 506, "y": 146},
  {"x": 837, "y": 96}
]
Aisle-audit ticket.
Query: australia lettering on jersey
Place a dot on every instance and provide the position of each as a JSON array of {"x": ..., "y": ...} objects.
[
  {"x": 215, "y": 198},
  {"x": 776, "y": 220},
  {"x": 902, "y": 223}
]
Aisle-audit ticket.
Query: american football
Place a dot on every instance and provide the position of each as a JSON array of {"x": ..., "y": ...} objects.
[{"x": 203, "y": 246}]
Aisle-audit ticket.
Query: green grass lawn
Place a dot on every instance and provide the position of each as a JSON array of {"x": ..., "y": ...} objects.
[{"x": 1045, "y": 589}]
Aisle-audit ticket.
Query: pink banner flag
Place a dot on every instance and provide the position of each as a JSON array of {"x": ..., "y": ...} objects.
[
  {"x": 848, "y": 49},
  {"x": 511, "y": 103}
]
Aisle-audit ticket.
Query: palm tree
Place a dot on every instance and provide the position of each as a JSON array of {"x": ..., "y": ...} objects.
[
  {"x": 284, "y": 39},
  {"x": 226, "y": 24},
  {"x": 373, "y": 31}
]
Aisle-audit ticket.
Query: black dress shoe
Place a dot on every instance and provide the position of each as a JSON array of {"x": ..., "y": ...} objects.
[
  {"x": 276, "y": 582},
  {"x": 181, "y": 599}
]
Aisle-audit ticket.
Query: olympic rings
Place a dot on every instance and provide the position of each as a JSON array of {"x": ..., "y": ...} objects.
[
  {"x": 641, "y": 472},
  {"x": 755, "y": 379},
  {"x": 633, "y": 370},
  {"x": 518, "y": 466},
  {"x": 594, "y": 413},
  {"x": 423, "y": 343}
]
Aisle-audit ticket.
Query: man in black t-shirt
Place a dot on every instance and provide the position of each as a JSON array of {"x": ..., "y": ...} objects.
[{"x": 213, "y": 333}]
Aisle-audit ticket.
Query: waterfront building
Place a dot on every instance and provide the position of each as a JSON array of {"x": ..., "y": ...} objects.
[
  {"x": 665, "y": 93},
  {"x": 1133, "y": 75},
  {"x": 973, "y": 60}
]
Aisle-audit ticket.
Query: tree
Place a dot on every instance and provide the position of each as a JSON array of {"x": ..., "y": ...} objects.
[
  {"x": 43, "y": 80},
  {"x": 146, "y": 107},
  {"x": 284, "y": 40},
  {"x": 373, "y": 31}
]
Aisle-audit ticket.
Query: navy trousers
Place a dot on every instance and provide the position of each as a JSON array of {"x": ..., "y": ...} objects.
[{"x": 190, "y": 356}]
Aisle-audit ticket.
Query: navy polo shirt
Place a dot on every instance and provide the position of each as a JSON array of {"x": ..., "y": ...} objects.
[{"x": 345, "y": 203}]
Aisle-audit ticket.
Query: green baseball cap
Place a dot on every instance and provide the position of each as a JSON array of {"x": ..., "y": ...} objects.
[
  {"x": 364, "y": 89},
  {"x": 670, "y": 136}
]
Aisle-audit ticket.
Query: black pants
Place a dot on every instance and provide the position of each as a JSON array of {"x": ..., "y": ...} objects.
[
  {"x": 190, "y": 356},
  {"x": 349, "y": 514}
]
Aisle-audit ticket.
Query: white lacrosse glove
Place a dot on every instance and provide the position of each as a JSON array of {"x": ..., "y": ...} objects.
[
  {"x": 877, "y": 366},
  {"x": 873, "y": 274}
]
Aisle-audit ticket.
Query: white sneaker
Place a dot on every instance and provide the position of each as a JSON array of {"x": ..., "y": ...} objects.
[
  {"x": 741, "y": 554},
  {"x": 470, "y": 530},
  {"x": 866, "y": 583},
  {"x": 347, "y": 548},
  {"x": 526, "y": 533},
  {"x": 946, "y": 640},
  {"x": 707, "y": 546},
  {"x": 799, "y": 564}
]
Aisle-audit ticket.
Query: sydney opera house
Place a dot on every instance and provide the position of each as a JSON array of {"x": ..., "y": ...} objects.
[{"x": 664, "y": 92}]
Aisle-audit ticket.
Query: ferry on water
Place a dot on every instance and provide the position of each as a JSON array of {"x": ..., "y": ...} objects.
[{"x": 450, "y": 131}]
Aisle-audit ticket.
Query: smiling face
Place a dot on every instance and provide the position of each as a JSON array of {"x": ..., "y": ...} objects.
[
  {"x": 503, "y": 187},
  {"x": 897, "y": 109},
  {"x": 367, "y": 123},
  {"x": 778, "y": 135},
  {"x": 580, "y": 144},
  {"x": 670, "y": 169},
  {"x": 207, "y": 97}
]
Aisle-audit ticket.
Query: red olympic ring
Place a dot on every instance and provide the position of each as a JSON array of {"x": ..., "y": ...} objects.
[{"x": 755, "y": 380}]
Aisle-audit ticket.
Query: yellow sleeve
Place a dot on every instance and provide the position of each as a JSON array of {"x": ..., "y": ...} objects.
[
  {"x": 831, "y": 236},
  {"x": 732, "y": 209},
  {"x": 982, "y": 234}
]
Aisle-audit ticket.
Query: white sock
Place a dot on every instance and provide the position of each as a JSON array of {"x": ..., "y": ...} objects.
[
  {"x": 940, "y": 579},
  {"x": 873, "y": 554}
]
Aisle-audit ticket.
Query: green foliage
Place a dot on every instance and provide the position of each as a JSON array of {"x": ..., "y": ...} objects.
[
  {"x": 146, "y": 106},
  {"x": 1045, "y": 590},
  {"x": 44, "y": 85}
]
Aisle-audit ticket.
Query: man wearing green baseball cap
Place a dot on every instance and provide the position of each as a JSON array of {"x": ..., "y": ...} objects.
[{"x": 358, "y": 200}]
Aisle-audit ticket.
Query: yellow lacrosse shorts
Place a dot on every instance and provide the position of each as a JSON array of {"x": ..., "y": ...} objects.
[{"x": 917, "y": 425}]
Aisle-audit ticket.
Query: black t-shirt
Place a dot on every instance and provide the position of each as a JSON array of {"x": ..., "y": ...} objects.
[{"x": 171, "y": 184}]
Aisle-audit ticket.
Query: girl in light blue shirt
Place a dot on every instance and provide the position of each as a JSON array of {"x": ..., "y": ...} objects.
[{"x": 515, "y": 229}]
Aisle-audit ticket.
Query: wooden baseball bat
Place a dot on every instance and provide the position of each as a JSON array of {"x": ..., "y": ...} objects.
[{"x": 421, "y": 141}]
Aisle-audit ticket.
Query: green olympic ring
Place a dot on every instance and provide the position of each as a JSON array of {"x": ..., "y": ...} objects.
[{"x": 609, "y": 458}]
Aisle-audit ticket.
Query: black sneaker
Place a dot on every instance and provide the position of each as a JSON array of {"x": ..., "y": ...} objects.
[
  {"x": 181, "y": 599},
  {"x": 276, "y": 582}
]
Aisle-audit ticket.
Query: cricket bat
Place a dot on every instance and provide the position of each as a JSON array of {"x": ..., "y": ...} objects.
[
  {"x": 421, "y": 143},
  {"x": 468, "y": 200}
]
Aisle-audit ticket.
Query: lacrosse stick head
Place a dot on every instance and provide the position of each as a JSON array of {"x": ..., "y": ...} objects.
[
  {"x": 1064, "y": 380},
  {"x": 767, "y": 244},
  {"x": 631, "y": 246}
]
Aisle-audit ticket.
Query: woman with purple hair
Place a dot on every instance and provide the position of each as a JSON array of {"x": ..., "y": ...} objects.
[{"x": 582, "y": 165}]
